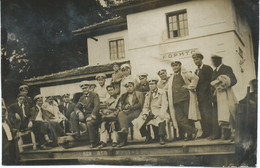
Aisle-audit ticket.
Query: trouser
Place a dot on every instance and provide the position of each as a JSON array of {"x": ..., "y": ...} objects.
[
  {"x": 159, "y": 131},
  {"x": 40, "y": 129},
  {"x": 206, "y": 115},
  {"x": 104, "y": 131},
  {"x": 92, "y": 126},
  {"x": 125, "y": 118},
  {"x": 214, "y": 122},
  {"x": 56, "y": 131},
  {"x": 181, "y": 113}
]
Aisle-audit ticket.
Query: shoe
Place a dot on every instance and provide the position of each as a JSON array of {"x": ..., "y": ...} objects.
[
  {"x": 114, "y": 144},
  {"x": 162, "y": 141},
  {"x": 121, "y": 144},
  {"x": 44, "y": 147},
  {"x": 211, "y": 138},
  {"x": 194, "y": 136},
  {"x": 102, "y": 145},
  {"x": 202, "y": 136},
  {"x": 93, "y": 145},
  {"x": 148, "y": 140}
]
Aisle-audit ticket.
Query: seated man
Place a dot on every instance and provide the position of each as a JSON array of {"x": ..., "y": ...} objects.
[
  {"x": 19, "y": 113},
  {"x": 66, "y": 108},
  {"x": 109, "y": 118},
  {"x": 155, "y": 112},
  {"x": 87, "y": 110},
  {"x": 130, "y": 105},
  {"x": 38, "y": 124},
  {"x": 54, "y": 117}
]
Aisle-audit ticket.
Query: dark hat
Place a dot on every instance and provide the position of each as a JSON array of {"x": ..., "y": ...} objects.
[
  {"x": 215, "y": 56},
  {"x": 175, "y": 63},
  {"x": 197, "y": 55}
]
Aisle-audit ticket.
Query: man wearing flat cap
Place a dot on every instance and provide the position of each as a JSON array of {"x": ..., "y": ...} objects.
[
  {"x": 130, "y": 105},
  {"x": 101, "y": 87},
  {"x": 155, "y": 113},
  {"x": 19, "y": 113},
  {"x": 126, "y": 70},
  {"x": 163, "y": 78},
  {"x": 38, "y": 123},
  {"x": 182, "y": 101},
  {"x": 66, "y": 108},
  {"x": 203, "y": 91},
  {"x": 87, "y": 111},
  {"x": 24, "y": 89},
  {"x": 143, "y": 85},
  {"x": 222, "y": 81}
]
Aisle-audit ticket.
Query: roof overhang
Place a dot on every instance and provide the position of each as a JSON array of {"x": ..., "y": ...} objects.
[{"x": 108, "y": 26}]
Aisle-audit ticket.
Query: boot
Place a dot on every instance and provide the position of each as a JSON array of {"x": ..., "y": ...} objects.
[
  {"x": 162, "y": 140},
  {"x": 122, "y": 139}
]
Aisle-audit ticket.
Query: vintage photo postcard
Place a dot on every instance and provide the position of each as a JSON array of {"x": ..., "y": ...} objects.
[{"x": 129, "y": 82}]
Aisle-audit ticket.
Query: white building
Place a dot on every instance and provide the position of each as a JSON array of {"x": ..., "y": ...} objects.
[{"x": 152, "y": 33}]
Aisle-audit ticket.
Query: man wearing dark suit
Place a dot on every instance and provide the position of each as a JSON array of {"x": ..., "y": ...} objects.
[
  {"x": 220, "y": 69},
  {"x": 130, "y": 105},
  {"x": 66, "y": 108},
  {"x": 87, "y": 110},
  {"x": 204, "y": 72},
  {"x": 19, "y": 113}
]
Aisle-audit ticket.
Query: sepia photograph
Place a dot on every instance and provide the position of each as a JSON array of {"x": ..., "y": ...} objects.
[{"x": 129, "y": 82}]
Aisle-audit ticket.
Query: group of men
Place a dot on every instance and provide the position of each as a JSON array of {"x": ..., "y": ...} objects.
[{"x": 106, "y": 111}]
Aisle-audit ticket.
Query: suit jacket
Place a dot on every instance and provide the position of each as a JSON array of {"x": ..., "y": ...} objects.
[
  {"x": 15, "y": 108},
  {"x": 89, "y": 104},
  {"x": 45, "y": 114},
  {"x": 203, "y": 87},
  {"x": 137, "y": 101},
  {"x": 67, "y": 112},
  {"x": 225, "y": 70}
]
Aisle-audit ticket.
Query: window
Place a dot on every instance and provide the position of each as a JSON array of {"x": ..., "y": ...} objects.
[
  {"x": 177, "y": 24},
  {"x": 117, "y": 49}
]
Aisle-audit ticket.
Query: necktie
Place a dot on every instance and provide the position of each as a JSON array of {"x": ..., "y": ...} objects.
[{"x": 22, "y": 106}]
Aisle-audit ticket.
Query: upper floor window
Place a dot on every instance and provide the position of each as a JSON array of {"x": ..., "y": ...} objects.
[
  {"x": 117, "y": 49},
  {"x": 177, "y": 23}
]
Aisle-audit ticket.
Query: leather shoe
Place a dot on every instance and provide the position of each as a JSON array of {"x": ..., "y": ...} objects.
[
  {"x": 162, "y": 141},
  {"x": 102, "y": 145},
  {"x": 114, "y": 144},
  {"x": 93, "y": 145},
  {"x": 44, "y": 147},
  {"x": 202, "y": 136},
  {"x": 148, "y": 140}
]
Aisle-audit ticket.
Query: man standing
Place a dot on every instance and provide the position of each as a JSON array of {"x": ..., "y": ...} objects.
[
  {"x": 223, "y": 99},
  {"x": 130, "y": 105},
  {"x": 87, "y": 111},
  {"x": 109, "y": 118},
  {"x": 204, "y": 72},
  {"x": 182, "y": 100},
  {"x": 164, "y": 78},
  {"x": 155, "y": 112},
  {"x": 126, "y": 69},
  {"x": 19, "y": 113},
  {"x": 117, "y": 76},
  {"x": 143, "y": 86},
  {"x": 66, "y": 108}
]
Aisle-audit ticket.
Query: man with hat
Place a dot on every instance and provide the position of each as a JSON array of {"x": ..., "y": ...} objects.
[
  {"x": 182, "y": 101},
  {"x": 222, "y": 79},
  {"x": 92, "y": 86},
  {"x": 66, "y": 107},
  {"x": 143, "y": 85},
  {"x": 101, "y": 87},
  {"x": 203, "y": 91},
  {"x": 163, "y": 78},
  {"x": 117, "y": 76},
  {"x": 155, "y": 112},
  {"x": 130, "y": 105},
  {"x": 126, "y": 70},
  {"x": 19, "y": 113},
  {"x": 38, "y": 124},
  {"x": 24, "y": 89},
  {"x": 87, "y": 111}
]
